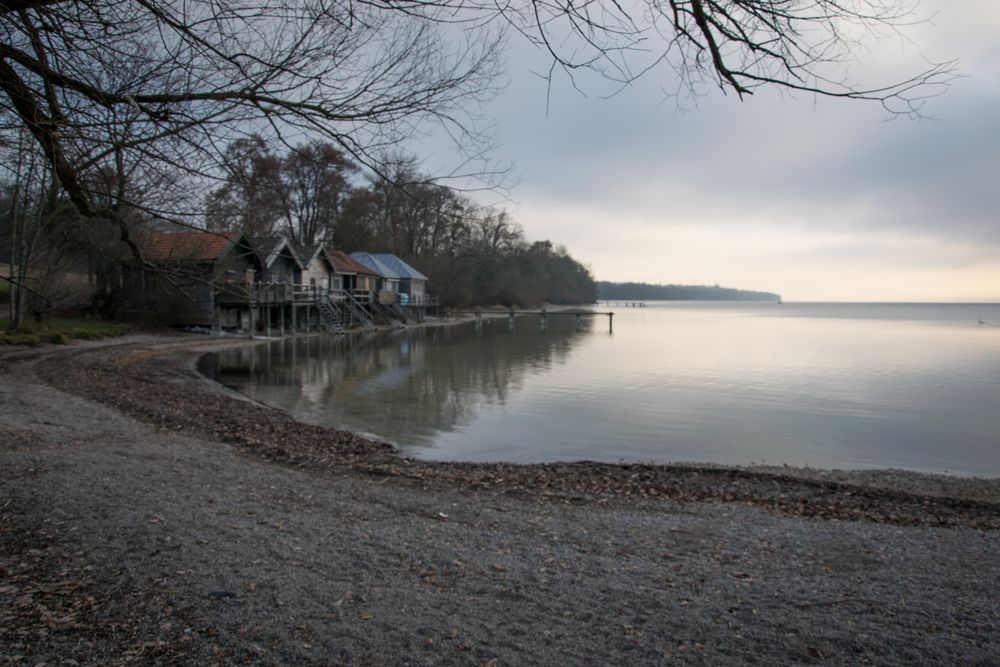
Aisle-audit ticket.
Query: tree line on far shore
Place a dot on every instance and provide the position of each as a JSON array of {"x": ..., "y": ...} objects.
[
  {"x": 654, "y": 292},
  {"x": 471, "y": 254},
  {"x": 312, "y": 193}
]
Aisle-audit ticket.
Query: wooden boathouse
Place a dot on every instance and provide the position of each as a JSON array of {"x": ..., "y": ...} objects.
[{"x": 261, "y": 284}]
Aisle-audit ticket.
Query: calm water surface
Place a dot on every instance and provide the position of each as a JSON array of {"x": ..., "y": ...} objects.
[{"x": 830, "y": 385}]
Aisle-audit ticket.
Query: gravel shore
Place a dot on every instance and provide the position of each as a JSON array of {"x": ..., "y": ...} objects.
[{"x": 149, "y": 516}]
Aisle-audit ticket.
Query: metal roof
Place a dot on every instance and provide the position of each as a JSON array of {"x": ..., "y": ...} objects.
[
  {"x": 388, "y": 266},
  {"x": 372, "y": 263},
  {"x": 399, "y": 266}
]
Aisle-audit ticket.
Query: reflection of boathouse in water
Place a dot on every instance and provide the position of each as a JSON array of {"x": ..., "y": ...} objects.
[{"x": 407, "y": 384}]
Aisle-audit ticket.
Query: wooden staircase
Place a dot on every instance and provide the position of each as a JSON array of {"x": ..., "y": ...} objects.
[
  {"x": 390, "y": 313},
  {"x": 330, "y": 314},
  {"x": 356, "y": 312}
]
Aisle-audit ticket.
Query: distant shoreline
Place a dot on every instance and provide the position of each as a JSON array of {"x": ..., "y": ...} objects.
[
  {"x": 609, "y": 291},
  {"x": 814, "y": 302}
]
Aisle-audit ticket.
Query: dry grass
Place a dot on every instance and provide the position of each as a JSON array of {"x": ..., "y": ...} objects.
[{"x": 60, "y": 330}]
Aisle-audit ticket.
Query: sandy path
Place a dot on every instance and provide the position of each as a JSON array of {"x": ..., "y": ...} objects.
[{"x": 123, "y": 542}]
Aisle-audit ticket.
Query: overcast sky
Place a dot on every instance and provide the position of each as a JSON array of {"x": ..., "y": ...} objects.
[{"x": 815, "y": 199}]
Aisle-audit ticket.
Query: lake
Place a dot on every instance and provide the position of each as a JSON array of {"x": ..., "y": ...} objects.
[{"x": 851, "y": 386}]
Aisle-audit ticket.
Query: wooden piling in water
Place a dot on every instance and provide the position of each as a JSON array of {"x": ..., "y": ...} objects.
[{"x": 543, "y": 314}]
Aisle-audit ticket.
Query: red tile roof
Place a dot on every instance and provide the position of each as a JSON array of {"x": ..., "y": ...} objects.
[
  {"x": 185, "y": 246},
  {"x": 344, "y": 263}
]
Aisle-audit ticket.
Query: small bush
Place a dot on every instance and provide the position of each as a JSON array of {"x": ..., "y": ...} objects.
[
  {"x": 60, "y": 331},
  {"x": 19, "y": 338}
]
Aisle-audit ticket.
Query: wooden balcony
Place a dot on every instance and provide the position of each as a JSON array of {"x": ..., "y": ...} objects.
[{"x": 274, "y": 294}]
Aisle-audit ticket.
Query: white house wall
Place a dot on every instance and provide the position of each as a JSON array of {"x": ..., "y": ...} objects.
[{"x": 316, "y": 271}]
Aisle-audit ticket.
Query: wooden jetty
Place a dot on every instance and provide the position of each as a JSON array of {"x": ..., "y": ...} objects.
[{"x": 541, "y": 313}]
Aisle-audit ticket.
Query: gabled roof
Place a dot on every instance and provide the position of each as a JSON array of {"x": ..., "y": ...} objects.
[
  {"x": 186, "y": 246},
  {"x": 401, "y": 268},
  {"x": 305, "y": 253},
  {"x": 322, "y": 252},
  {"x": 373, "y": 263},
  {"x": 388, "y": 266},
  {"x": 344, "y": 263},
  {"x": 269, "y": 247}
]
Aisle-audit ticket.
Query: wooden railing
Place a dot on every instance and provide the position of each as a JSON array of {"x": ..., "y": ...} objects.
[
  {"x": 423, "y": 300},
  {"x": 273, "y": 293},
  {"x": 288, "y": 293}
]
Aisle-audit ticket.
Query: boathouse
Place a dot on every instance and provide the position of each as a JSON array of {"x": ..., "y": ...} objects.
[
  {"x": 281, "y": 264},
  {"x": 352, "y": 276},
  {"x": 398, "y": 281},
  {"x": 194, "y": 278},
  {"x": 267, "y": 284},
  {"x": 317, "y": 267}
]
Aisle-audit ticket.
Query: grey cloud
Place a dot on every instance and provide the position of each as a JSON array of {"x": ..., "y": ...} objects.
[{"x": 829, "y": 164}]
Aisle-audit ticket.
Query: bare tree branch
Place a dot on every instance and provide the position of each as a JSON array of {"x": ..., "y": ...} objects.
[{"x": 156, "y": 91}]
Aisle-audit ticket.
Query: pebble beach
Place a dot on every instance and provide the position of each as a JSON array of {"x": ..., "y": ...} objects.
[{"x": 151, "y": 516}]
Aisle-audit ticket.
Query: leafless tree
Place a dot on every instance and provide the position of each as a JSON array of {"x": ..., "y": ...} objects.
[
  {"x": 37, "y": 226},
  {"x": 252, "y": 195},
  {"x": 156, "y": 91},
  {"x": 300, "y": 194},
  {"x": 316, "y": 183},
  {"x": 20, "y": 222},
  {"x": 737, "y": 45}
]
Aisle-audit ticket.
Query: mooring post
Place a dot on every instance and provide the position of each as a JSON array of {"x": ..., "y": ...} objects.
[{"x": 611, "y": 322}]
